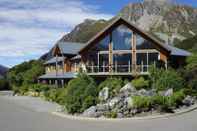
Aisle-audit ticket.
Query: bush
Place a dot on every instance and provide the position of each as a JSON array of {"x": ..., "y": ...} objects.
[
  {"x": 190, "y": 72},
  {"x": 142, "y": 102},
  {"x": 164, "y": 79},
  {"x": 111, "y": 114},
  {"x": 178, "y": 97},
  {"x": 114, "y": 85},
  {"x": 4, "y": 85},
  {"x": 162, "y": 103},
  {"x": 140, "y": 83},
  {"x": 56, "y": 95},
  {"x": 81, "y": 93}
]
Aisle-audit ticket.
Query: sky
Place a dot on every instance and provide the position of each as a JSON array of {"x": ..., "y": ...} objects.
[{"x": 29, "y": 28}]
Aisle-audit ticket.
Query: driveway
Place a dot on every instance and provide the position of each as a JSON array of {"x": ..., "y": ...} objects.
[{"x": 15, "y": 116}]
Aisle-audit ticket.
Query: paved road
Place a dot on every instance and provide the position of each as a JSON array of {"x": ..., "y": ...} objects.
[{"x": 14, "y": 117}]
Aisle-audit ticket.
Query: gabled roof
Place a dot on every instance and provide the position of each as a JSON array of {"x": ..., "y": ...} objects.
[
  {"x": 70, "y": 48},
  {"x": 118, "y": 21}
]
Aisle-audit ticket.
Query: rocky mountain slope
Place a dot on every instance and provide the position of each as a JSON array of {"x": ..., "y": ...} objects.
[{"x": 166, "y": 20}]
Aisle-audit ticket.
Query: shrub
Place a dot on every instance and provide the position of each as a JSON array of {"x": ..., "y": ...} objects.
[
  {"x": 162, "y": 103},
  {"x": 4, "y": 85},
  {"x": 165, "y": 79},
  {"x": 140, "y": 83},
  {"x": 55, "y": 95},
  {"x": 142, "y": 102},
  {"x": 178, "y": 97},
  {"x": 111, "y": 114},
  {"x": 190, "y": 72},
  {"x": 81, "y": 93},
  {"x": 114, "y": 85}
]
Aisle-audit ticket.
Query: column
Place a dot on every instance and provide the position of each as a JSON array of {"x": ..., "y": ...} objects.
[
  {"x": 56, "y": 68},
  {"x": 133, "y": 52},
  {"x": 110, "y": 54}
]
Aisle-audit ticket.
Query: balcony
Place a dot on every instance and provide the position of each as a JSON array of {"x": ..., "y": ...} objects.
[{"x": 121, "y": 70}]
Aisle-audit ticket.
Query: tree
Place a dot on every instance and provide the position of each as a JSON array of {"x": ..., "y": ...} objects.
[{"x": 81, "y": 93}]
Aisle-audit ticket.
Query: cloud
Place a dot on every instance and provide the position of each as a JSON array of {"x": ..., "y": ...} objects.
[{"x": 29, "y": 28}]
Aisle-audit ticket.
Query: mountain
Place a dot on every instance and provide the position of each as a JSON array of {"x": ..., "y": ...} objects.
[
  {"x": 3, "y": 71},
  {"x": 164, "y": 19}
]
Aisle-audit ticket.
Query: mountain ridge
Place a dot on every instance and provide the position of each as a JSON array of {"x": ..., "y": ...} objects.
[{"x": 164, "y": 19}]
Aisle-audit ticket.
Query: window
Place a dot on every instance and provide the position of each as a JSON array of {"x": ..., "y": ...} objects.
[
  {"x": 122, "y": 62},
  {"x": 142, "y": 43},
  {"x": 142, "y": 58},
  {"x": 152, "y": 58},
  {"x": 103, "y": 62},
  {"x": 103, "y": 45},
  {"x": 121, "y": 38}
]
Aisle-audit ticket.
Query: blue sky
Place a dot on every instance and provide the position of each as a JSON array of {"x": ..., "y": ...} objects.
[{"x": 29, "y": 28}]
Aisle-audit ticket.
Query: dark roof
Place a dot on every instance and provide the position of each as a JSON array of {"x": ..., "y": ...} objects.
[
  {"x": 70, "y": 47},
  {"x": 66, "y": 75},
  {"x": 133, "y": 26},
  {"x": 53, "y": 60},
  {"x": 178, "y": 52}
]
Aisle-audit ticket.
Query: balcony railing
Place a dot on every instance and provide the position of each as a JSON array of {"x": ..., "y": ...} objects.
[{"x": 118, "y": 69}]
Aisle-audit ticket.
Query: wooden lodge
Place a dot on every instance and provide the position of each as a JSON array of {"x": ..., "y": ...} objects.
[{"x": 121, "y": 49}]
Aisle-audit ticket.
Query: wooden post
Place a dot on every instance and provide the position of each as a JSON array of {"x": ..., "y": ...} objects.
[
  {"x": 92, "y": 67},
  {"x": 63, "y": 65},
  {"x": 62, "y": 83},
  {"x": 110, "y": 54},
  {"x": 116, "y": 66},
  {"x": 56, "y": 68},
  {"x": 133, "y": 52},
  {"x": 98, "y": 62},
  {"x": 142, "y": 67}
]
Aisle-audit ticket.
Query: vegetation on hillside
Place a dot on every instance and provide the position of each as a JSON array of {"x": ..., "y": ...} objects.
[
  {"x": 25, "y": 73},
  {"x": 189, "y": 44}
]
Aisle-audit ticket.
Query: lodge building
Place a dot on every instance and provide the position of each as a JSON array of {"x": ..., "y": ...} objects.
[{"x": 120, "y": 49}]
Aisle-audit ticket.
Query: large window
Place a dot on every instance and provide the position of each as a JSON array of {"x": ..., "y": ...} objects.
[
  {"x": 121, "y": 38},
  {"x": 104, "y": 62},
  {"x": 144, "y": 60},
  {"x": 142, "y": 43},
  {"x": 122, "y": 62}
]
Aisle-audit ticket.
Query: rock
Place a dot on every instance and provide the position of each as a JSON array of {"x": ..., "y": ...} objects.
[
  {"x": 113, "y": 102},
  {"x": 128, "y": 88},
  {"x": 90, "y": 112},
  {"x": 188, "y": 101},
  {"x": 104, "y": 94},
  {"x": 120, "y": 115},
  {"x": 142, "y": 92},
  {"x": 151, "y": 92},
  {"x": 169, "y": 92},
  {"x": 103, "y": 107},
  {"x": 129, "y": 102}
]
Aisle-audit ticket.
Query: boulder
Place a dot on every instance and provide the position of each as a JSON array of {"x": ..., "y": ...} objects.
[
  {"x": 188, "y": 101},
  {"x": 104, "y": 94},
  {"x": 113, "y": 102},
  {"x": 120, "y": 115},
  {"x": 129, "y": 102},
  {"x": 90, "y": 112},
  {"x": 151, "y": 92},
  {"x": 142, "y": 92},
  {"x": 102, "y": 107},
  {"x": 128, "y": 88},
  {"x": 168, "y": 92}
]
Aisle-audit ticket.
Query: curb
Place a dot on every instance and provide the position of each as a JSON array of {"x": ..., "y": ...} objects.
[{"x": 181, "y": 112}]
